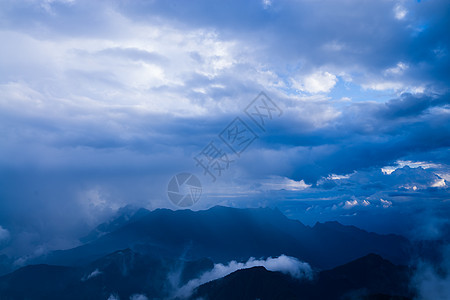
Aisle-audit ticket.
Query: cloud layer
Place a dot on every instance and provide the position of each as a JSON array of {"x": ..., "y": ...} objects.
[{"x": 285, "y": 264}]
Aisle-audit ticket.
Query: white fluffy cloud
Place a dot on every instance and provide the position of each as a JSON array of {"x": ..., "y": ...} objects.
[
  {"x": 318, "y": 82},
  {"x": 400, "y": 12},
  {"x": 285, "y": 264},
  {"x": 111, "y": 72},
  {"x": 385, "y": 203},
  {"x": 352, "y": 203},
  {"x": 283, "y": 183}
]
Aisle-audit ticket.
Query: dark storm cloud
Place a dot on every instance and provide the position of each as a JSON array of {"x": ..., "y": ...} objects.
[
  {"x": 362, "y": 136},
  {"x": 352, "y": 35},
  {"x": 363, "y": 37}
]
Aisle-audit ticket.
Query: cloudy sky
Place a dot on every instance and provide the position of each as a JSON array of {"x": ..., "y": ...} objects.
[{"x": 102, "y": 102}]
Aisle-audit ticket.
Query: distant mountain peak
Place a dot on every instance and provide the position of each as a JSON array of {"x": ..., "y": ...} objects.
[
  {"x": 335, "y": 225},
  {"x": 122, "y": 217}
]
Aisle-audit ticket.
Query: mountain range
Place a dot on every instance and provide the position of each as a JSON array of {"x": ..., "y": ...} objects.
[
  {"x": 223, "y": 234},
  {"x": 154, "y": 253}
]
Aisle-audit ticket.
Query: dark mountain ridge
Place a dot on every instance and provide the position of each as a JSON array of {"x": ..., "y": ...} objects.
[
  {"x": 122, "y": 273},
  {"x": 125, "y": 273},
  {"x": 369, "y": 277},
  {"x": 156, "y": 252},
  {"x": 223, "y": 234}
]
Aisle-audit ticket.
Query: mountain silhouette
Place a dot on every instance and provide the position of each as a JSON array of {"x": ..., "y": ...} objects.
[
  {"x": 369, "y": 277},
  {"x": 223, "y": 234},
  {"x": 154, "y": 253},
  {"x": 125, "y": 273},
  {"x": 122, "y": 273}
]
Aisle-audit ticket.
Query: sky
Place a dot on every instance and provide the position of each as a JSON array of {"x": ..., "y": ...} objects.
[{"x": 103, "y": 102}]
